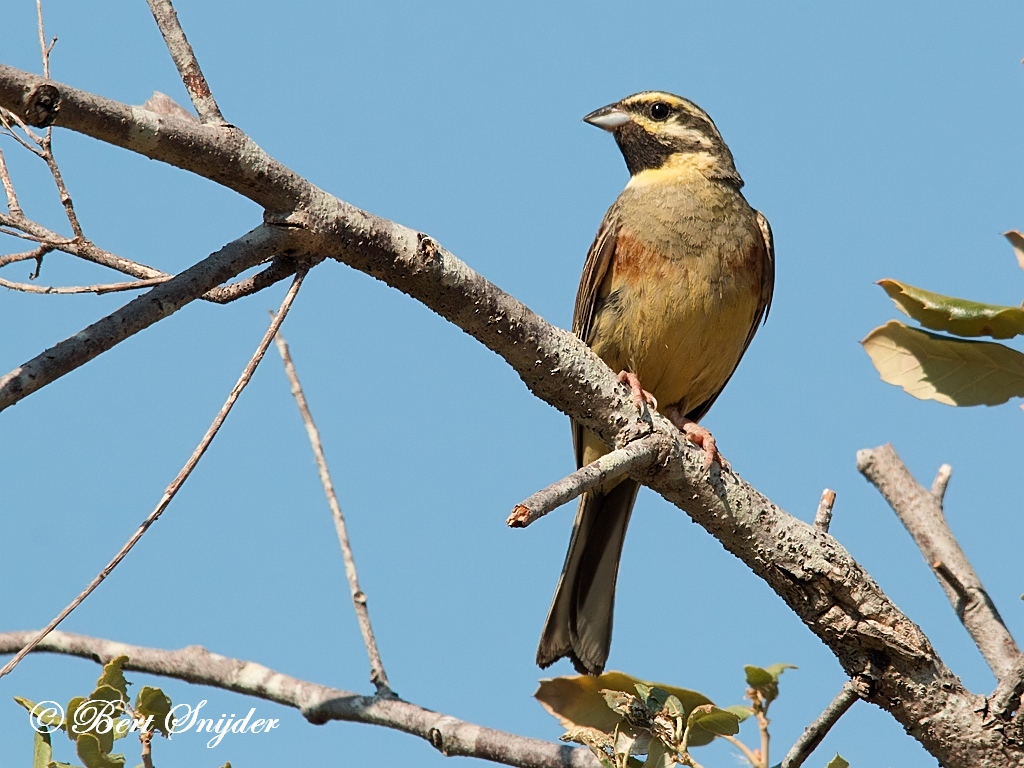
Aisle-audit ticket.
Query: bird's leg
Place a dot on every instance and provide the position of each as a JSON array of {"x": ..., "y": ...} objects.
[
  {"x": 641, "y": 396},
  {"x": 699, "y": 436}
]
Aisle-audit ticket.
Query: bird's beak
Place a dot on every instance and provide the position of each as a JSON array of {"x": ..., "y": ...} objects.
[{"x": 608, "y": 118}]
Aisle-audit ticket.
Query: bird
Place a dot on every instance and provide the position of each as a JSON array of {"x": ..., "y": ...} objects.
[{"x": 677, "y": 281}]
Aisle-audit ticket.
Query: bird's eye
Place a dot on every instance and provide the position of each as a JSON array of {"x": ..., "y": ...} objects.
[{"x": 659, "y": 110}]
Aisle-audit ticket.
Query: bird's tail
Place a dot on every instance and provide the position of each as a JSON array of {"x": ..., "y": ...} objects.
[{"x": 579, "y": 623}]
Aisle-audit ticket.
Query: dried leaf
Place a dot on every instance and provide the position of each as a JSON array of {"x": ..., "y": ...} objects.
[
  {"x": 950, "y": 371},
  {"x": 1017, "y": 241},
  {"x": 577, "y": 700},
  {"x": 957, "y": 316},
  {"x": 837, "y": 762}
]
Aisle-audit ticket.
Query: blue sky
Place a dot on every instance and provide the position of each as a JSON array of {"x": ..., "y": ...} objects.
[{"x": 881, "y": 140}]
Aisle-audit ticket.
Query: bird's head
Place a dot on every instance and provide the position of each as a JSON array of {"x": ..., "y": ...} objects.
[{"x": 657, "y": 130}]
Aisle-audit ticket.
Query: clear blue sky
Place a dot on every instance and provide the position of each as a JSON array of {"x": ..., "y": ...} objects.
[{"x": 881, "y": 140}]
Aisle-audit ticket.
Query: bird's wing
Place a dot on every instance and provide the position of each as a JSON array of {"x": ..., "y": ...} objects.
[
  {"x": 595, "y": 270},
  {"x": 767, "y": 290},
  {"x": 767, "y": 277}
]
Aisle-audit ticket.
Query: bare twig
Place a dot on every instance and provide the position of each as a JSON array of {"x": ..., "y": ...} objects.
[
  {"x": 35, "y": 253},
  {"x": 43, "y": 47},
  {"x": 178, "y": 481},
  {"x": 13, "y": 206},
  {"x": 141, "y": 312},
  {"x": 921, "y": 513},
  {"x": 823, "y": 517},
  {"x": 62, "y": 189},
  {"x": 941, "y": 481},
  {"x": 318, "y": 703},
  {"x": 101, "y": 288},
  {"x": 815, "y": 732},
  {"x": 185, "y": 60},
  {"x": 636, "y": 455},
  {"x": 815, "y": 576},
  {"x": 279, "y": 269},
  {"x": 377, "y": 675},
  {"x": 748, "y": 753}
]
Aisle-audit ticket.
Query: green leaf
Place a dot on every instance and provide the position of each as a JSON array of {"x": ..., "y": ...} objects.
[
  {"x": 658, "y": 756},
  {"x": 153, "y": 702},
  {"x": 42, "y": 750},
  {"x": 113, "y": 676},
  {"x": 674, "y": 707},
  {"x": 949, "y": 371},
  {"x": 47, "y": 716},
  {"x": 765, "y": 680},
  {"x": 624, "y": 741},
  {"x": 757, "y": 676},
  {"x": 740, "y": 711},
  {"x": 96, "y": 716},
  {"x": 577, "y": 700},
  {"x": 712, "y": 721},
  {"x": 775, "y": 670},
  {"x": 837, "y": 762},
  {"x": 1017, "y": 241},
  {"x": 957, "y": 316},
  {"x": 88, "y": 748},
  {"x": 71, "y": 718},
  {"x": 643, "y": 691}
]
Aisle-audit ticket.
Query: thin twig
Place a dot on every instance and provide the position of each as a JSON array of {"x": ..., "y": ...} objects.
[
  {"x": 747, "y": 751},
  {"x": 43, "y": 47},
  {"x": 62, "y": 189},
  {"x": 823, "y": 517},
  {"x": 185, "y": 60},
  {"x": 134, "y": 285},
  {"x": 35, "y": 253},
  {"x": 815, "y": 732},
  {"x": 941, "y": 481},
  {"x": 318, "y": 703},
  {"x": 155, "y": 304},
  {"x": 178, "y": 481},
  {"x": 921, "y": 514},
  {"x": 13, "y": 206},
  {"x": 639, "y": 453},
  {"x": 377, "y": 675}
]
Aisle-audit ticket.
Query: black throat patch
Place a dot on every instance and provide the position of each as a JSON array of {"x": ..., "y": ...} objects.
[{"x": 642, "y": 150}]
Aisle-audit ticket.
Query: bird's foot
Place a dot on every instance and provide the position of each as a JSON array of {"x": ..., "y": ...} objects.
[
  {"x": 702, "y": 438},
  {"x": 641, "y": 396}
]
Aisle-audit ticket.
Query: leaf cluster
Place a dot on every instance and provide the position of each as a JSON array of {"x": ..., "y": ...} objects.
[
  {"x": 622, "y": 718},
  {"x": 951, "y": 367},
  {"x": 94, "y": 722}
]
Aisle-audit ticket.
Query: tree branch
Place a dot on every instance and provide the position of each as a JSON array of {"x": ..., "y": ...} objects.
[
  {"x": 318, "y": 703},
  {"x": 140, "y": 313},
  {"x": 635, "y": 456},
  {"x": 810, "y": 571},
  {"x": 920, "y": 511},
  {"x": 185, "y": 60},
  {"x": 816, "y": 731},
  {"x": 179, "y": 480}
]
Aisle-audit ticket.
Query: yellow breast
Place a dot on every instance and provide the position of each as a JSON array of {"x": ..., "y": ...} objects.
[{"x": 684, "y": 287}]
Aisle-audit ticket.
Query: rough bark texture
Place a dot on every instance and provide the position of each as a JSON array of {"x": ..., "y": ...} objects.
[{"x": 810, "y": 570}]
